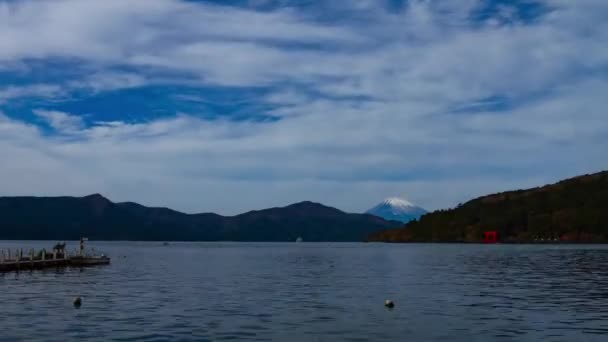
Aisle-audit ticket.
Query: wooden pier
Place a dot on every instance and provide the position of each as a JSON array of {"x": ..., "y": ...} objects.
[
  {"x": 44, "y": 260},
  {"x": 16, "y": 265}
]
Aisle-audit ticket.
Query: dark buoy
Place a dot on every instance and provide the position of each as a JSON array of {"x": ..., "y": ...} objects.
[
  {"x": 77, "y": 302},
  {"x": 389, "y": 304}
]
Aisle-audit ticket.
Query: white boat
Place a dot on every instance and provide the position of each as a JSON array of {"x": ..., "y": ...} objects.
[{"x": 299, "y": 239}]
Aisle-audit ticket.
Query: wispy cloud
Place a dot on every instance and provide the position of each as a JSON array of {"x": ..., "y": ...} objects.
[
  {"x": 31, "y": 90},
  {"x": 63, "y": 123}
]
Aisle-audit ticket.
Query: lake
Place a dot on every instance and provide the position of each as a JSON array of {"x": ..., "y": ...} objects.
[{"x": 314, "y": 292}]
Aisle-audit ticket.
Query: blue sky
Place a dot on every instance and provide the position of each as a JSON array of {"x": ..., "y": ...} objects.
[{"x": 228, "y": 106}]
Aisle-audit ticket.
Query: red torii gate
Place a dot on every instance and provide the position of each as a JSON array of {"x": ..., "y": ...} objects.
[{"x": 490, "y": 237}]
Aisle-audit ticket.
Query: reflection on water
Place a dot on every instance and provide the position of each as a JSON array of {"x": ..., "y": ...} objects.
[{"x": 318, "y": 292}]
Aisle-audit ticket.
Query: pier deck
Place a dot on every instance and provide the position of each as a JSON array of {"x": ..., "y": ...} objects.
[
  {"x": 13, "y": 265},
  {"x": 58, "y": 258}
]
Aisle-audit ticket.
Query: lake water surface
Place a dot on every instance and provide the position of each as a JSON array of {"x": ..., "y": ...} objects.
[{"x": 314, "y": 292}]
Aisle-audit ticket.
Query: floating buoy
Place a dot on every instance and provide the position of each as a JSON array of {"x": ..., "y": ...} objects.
[
  {"x": 389, "y": 304},
  {"x": 77, "y": 302}
]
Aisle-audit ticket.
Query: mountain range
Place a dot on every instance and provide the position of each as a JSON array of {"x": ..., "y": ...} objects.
[
  {"x": 573, "y": 210},
  {"x": 397, "y": 209},
  {"x": 96, "y": 217}
]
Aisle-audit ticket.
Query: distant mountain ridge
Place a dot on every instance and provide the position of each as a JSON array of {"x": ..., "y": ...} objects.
[
  {"x": 96, "y": 217},
  {"x": 397, "y": 209},
  {"x": 572, "y": 210}
]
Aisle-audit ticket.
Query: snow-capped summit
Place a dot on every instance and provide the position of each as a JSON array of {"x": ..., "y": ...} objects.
[
  {"x": 398, "y": 209},
  {"x": 397, "y": 202}
]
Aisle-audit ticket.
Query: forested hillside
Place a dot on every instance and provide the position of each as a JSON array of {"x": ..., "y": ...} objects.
[{"x": 573, "y": 210}]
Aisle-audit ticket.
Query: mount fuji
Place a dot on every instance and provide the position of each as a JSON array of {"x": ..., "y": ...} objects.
[{"x": 397, "y": 209}]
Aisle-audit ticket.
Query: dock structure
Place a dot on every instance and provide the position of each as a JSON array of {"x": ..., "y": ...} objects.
[{"x": 16, "y": 261}]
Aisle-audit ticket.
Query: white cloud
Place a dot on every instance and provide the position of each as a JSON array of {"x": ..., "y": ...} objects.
[
  {"x": 114, "y": 30},
  {"x": 32, "y": 90},
  {"x": 62, "y": 122},
  {"x": 109, "y": 80}
]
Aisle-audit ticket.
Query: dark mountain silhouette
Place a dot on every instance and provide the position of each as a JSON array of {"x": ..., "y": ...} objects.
[
  {"x": 96, "y": 217},
  {"x": 573, "y": 210}
]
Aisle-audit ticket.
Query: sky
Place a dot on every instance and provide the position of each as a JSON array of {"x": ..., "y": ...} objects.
[{"x": 230, "y": 106}]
